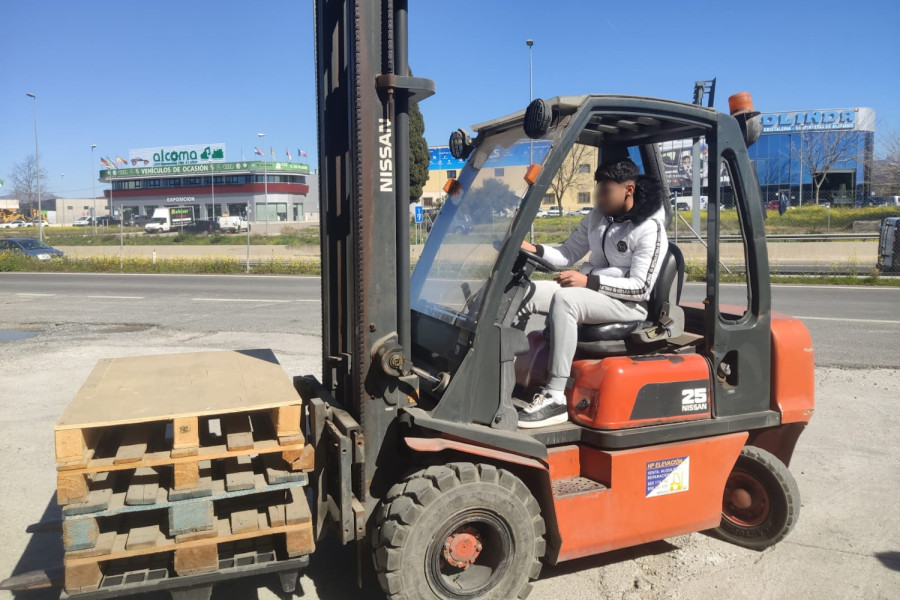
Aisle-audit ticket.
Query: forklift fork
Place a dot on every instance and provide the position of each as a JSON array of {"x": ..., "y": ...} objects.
[{"x": 337, "y": 481}]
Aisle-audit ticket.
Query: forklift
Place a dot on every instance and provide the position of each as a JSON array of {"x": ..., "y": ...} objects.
[{"x": 682, "y": 423}]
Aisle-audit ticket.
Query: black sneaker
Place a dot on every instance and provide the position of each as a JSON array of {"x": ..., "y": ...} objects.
[{"x": 543, "y": 411}]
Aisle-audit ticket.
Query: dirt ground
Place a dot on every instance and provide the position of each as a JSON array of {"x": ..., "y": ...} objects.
[{"x": 847, "y": 463}]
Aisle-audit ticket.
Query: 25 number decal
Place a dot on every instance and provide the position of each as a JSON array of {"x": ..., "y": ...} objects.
[{"x": 693, "y": 396}]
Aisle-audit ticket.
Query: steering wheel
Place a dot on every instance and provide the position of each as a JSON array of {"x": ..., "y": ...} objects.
[{"x": 540, "y": 263}]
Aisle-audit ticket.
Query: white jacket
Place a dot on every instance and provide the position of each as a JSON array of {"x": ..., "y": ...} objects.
[{"x": 625, "y": 252}]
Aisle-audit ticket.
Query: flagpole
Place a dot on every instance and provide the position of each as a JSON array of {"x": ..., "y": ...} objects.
[{"x": 93, "y": 190}]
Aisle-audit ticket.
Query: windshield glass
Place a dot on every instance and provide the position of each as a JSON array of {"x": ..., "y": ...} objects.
[
  {"x": 33, "y": 245},
  {"x": 157, "y": 220},
  {"x": 474, "y": 221}
]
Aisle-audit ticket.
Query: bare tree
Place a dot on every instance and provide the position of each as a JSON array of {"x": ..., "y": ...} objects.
[
  {"x": 886, "y": 167},
  {"x": 24, "y": 180},
  {"x": 773, "y": 171},
  {"x": 572, "y": 174},
  {"x": 820, "y": 151}
]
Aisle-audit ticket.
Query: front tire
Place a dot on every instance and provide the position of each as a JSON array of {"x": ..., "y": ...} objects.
[
  {"x": 761, "y": 502},
  {"x": 458, "y": 531}
]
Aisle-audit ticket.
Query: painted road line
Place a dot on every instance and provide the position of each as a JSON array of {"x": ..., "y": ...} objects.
[
  {"x": 842, "y": 319},
  {"x": 266, "y": 300}
]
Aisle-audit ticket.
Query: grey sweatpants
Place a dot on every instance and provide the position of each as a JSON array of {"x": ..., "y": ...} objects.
[{"x": 565, "y": 309}]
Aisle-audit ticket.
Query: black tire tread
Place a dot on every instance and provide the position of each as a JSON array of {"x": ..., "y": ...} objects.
[
  {"x": 785, "y": 479},
  {"x": 406, "y": 500}
]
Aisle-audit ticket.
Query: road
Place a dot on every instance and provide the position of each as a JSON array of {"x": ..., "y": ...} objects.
[
  {"x": 846, "y": 543},
  {"x": 850, "y": 326}
]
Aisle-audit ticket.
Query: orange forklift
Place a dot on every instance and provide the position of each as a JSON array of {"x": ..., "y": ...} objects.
[{"x": 684, "y": 422}]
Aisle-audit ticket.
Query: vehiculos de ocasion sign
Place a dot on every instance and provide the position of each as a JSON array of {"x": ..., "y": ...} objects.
[{"x": 176, "y": 155}]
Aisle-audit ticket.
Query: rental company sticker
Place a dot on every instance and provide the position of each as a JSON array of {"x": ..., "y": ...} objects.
[{"x": 668, "y": 476}]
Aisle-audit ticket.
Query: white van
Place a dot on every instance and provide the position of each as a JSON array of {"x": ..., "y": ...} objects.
[{"x": 233, "y": 224}]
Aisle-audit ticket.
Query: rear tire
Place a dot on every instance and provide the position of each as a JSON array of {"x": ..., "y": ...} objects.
[
  {"x": 761, "y": 502},
  {"x": 474, "y": 515}
]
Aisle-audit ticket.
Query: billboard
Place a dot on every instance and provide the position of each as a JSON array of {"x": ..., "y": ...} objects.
[
  {"x": 854, "y": 119},
  {"x": 176, "y": 155},
  {"x": 517, "y": 155}
]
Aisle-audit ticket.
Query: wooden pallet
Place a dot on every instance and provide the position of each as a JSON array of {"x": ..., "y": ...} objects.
[
  {"x": 120, "y": 446},
  {"x": 198, "y": 552},
  {"x": 149, "y": 445},
  {"x": 179, "y": 389},
  {"x": 118, "y": 498}
]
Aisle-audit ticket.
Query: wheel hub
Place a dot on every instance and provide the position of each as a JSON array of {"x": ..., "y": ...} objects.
[
  {"x": 746, "y": 502},
  {"x": 462, "y": 547}
]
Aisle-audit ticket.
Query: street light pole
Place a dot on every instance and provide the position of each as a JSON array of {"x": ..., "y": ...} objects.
[
  {"x": 212, "y": 180},
  {"x": 265, "y": 182},
  {"x": 93, "y": 190},
  {"x": 37, "y": 159}
]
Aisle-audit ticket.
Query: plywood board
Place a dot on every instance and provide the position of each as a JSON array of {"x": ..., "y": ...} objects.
[{"x": 139, "y": 389}]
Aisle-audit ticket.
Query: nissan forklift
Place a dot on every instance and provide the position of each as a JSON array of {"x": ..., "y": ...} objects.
[{"x": 681, "y": 423}]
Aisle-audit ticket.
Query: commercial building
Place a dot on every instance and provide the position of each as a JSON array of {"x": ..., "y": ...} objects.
[{"x": 199, "y": 178}]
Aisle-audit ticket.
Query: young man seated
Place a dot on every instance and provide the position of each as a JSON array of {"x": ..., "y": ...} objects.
[{"x": 625, "y": 235}]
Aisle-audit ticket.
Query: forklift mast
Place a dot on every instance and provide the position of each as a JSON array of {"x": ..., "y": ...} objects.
[{"x": 363, "y": 93}]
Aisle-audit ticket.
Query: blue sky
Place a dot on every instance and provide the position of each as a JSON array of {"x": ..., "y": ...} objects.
[{"x": 133, "y": 75}]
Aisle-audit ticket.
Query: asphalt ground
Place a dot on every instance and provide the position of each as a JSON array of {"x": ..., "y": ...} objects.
[{"x": 847, "y": 464}]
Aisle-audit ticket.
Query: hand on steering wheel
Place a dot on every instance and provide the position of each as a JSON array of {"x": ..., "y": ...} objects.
[{"x": 540, "y": 263}]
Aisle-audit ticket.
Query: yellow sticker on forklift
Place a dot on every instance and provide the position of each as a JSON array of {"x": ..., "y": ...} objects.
[{"x": 668, "y": 476}]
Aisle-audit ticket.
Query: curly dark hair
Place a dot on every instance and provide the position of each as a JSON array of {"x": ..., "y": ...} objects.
[{"x": 619, "y": 171}]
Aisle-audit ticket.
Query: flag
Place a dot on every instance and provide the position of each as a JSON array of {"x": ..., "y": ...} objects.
[
  {"x": 104, "y": 163},
  {"x": 119, "y": 159},
  {"x": 258, "y": 151},
  {"x": 1, "y": 183},
  {"x": 272, "y": 152},
  {"x": 302, "y": 153},
  {"x": 111, "y": 162},
  {"x": 288, "y": 152}
]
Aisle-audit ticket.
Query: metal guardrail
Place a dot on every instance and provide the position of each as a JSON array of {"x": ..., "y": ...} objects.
[{"x": 795, "y": 237}]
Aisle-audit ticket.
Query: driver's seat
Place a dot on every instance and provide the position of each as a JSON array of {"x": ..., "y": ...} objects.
[{"x": 665, "y": 319}]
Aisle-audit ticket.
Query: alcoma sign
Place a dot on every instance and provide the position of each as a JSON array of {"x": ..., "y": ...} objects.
[{"x": 176, "y": 155}]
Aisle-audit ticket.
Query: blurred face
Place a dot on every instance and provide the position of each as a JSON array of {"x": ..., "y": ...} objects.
[{"x": 613, "y": 198}]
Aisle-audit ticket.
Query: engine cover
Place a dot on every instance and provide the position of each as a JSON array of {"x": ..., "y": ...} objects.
[{"x": 620, "y": 392}]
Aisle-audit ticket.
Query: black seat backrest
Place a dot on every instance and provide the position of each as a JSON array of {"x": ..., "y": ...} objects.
[{"x": 671, "y": 272}]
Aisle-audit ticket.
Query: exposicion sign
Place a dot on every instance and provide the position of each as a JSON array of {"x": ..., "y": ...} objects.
[{"x": 176, "y": 155}]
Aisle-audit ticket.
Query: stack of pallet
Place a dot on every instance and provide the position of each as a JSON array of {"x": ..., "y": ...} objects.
[{"x": 174, "y": 465}]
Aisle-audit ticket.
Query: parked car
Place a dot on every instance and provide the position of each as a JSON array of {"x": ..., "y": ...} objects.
[
  {"x": 541, "y": 214},
  {"x": 17, "y": 223},
  {"x": 9, "y": 225},
  {"x": 137, "y": 221},
  {"x": 233, "y": 224},
  {"x": 202, "y": 226},
  {"x": 585, "y": 210},
  {"x": 81, "y": 222},
  {"x": 107, "y": 221},
  {"x": 30, "y": 247},
  {"x": 555, "y": 211}
]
